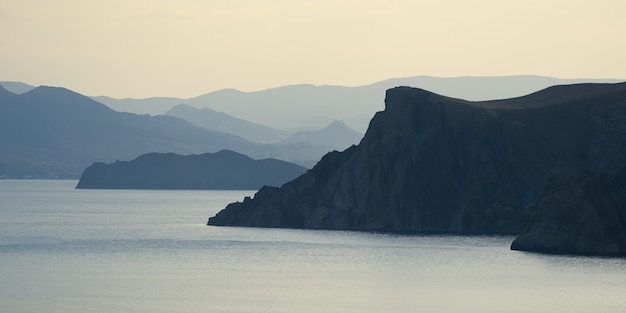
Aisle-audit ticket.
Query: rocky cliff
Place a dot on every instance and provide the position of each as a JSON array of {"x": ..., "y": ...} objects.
[
  {"x": 578, "y": 216},
  {"x": 429, "y": 163},
  {"x": 223, "y": 170}
]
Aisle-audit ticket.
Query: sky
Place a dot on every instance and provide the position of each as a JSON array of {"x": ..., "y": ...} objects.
[{"x": 185, "y": 48}]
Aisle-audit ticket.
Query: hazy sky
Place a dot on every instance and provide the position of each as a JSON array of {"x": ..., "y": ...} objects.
[{"x": 184, "y": 48}]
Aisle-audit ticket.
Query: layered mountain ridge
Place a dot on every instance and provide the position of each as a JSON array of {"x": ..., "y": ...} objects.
[
  {"x": 219, "y": 121},
  {"x": 53, "y": 132},
  {"x": 355, "y": 106},
  {"x": 336, "y": 135}
]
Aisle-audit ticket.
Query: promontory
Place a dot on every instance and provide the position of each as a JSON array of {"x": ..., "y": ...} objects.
[
  {"x": 432, "y": 164},
  {"x": 223, "y": 170}
]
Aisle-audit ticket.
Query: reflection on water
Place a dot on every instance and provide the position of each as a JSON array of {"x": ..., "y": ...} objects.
[{"x": 67, "y": 250}]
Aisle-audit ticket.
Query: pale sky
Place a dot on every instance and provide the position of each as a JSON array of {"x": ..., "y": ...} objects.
[{"x": 184, "y": 48}]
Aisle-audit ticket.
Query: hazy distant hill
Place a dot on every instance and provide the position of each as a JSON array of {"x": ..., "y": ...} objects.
[
  {"x": 152, "y": 106},
  {"x": 16, "y": 87},
  {"x": 54, "y": 132},
  {"x": 337, "y": 135},
  {"x": 218, "y": 121},
  {"x": 293, "y": 107},
  {"x": 223, "y": 170},
  {"x": 6, "y": 95}
]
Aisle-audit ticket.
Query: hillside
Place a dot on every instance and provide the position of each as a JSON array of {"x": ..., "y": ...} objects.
[
  {"x": 218, "y": 121},
  {"x": 223, "y": 170},
  {"x": 336, "y": 135},
  {"x": 51, "y": 132},
  {"x": 16, "y": 87}
]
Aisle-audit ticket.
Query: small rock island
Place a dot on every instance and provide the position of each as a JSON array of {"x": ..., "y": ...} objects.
[
  {"x": 223, "y": 170},
  {"x": 546, "y": 165}
]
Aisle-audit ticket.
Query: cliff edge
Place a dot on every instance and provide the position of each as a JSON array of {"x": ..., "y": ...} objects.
[
  {"x": 585, "y": 216},
  {"x": 429, "y": 163}
]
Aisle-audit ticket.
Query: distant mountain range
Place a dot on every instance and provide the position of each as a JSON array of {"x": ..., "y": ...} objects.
[
  {"x": 16, "y": 87},
  {"x": 223, "y": 170},
  {"x": 309, "y": 107},
  {"x": 53, "y": 132},
  {"x": 218, "y": 121},
  {"x": 336, "y": 135}
]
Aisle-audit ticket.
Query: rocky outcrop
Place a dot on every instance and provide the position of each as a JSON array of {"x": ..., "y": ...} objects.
[
  {"x": 578, "y": 216},
  {"x": 429, "y": 163},
  {"x": 224, "y": 170}
]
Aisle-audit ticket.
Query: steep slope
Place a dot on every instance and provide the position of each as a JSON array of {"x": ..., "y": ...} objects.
[
  {"x": 578, "y": 216},
  {"x": 337, "y": 135},
  {"x": 224, "y": 170},
  {"x": 429, "y": 163},
  {"x": 54, "y": 132},
  {"x": 218, "y": 121}
]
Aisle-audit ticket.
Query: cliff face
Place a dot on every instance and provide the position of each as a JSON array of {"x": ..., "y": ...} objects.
[
  {"x": 578, "y": 216},
  {"x": 434, "y": 164}
]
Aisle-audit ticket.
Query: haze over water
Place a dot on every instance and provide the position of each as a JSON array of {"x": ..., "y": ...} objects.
[{"x": 67, "y": 250}]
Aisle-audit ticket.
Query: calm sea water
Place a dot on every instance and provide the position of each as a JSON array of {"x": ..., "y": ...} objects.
[{"x": 67, "y": 250}]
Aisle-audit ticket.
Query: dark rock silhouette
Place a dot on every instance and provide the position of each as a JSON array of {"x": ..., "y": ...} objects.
[
  {"x": 579, "y": 216},
  {"x": 224, "y": 170},
  {"x": 429, "y": 163}
]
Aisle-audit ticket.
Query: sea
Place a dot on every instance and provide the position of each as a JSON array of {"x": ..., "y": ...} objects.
[{"x": 67, "y": 250}]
